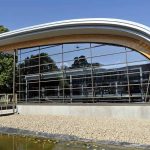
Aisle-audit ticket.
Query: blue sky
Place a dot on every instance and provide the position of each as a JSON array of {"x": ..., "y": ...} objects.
[{"x": 16, "y": 14}]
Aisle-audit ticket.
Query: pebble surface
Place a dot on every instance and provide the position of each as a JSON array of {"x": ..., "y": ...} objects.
[{"x": 98, "y": 129}]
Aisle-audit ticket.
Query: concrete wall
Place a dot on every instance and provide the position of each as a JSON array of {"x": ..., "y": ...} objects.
[
  {"x": 132, "y": 112},
  {"x": 6, "y": 112}
]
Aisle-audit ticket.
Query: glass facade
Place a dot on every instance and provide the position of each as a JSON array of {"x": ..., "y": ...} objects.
[{"x": 82, "y": 73}]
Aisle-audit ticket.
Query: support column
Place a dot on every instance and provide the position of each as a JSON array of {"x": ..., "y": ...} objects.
[
  {"x": 26, "y": 90},
  {"x": 58, "y": 91},
  {"x": 63, "y": 71},
  {"x": 116, "y": 84},
  {"x": 14, "y": 82},
  {"x": 39, "y": 91},
  {"x": 141, "y": 82},
  {"x": 127, "y": 73},
  {"x": 71, "y": 88},
  {"x": 92, "y": 74}
]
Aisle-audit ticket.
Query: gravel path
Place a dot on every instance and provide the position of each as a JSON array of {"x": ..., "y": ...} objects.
[{"x": 122, "y": 130}]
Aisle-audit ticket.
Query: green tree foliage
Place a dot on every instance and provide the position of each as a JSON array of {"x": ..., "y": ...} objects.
[
  {"x": 81, "y": 62},
  {"x": 6, "y": 68},
  {"x": 6, "y": 72},
  {"x": 3, "y": 29},
  {"x": 31, "y": 64}
]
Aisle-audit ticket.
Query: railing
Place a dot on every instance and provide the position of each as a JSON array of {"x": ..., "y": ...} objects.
[{"x": 7, "y": 104}]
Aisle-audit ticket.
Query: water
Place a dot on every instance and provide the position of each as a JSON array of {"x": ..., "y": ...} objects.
[{"x": 11, "y": 142}]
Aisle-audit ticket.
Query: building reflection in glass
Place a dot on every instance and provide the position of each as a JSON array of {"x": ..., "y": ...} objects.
[{"x": 82, "y": 73}]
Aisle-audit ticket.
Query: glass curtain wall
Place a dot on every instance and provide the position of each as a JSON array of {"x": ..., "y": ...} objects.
[{"x": 82, "y": 73}]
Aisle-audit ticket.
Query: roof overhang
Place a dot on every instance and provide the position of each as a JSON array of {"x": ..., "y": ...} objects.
[{"x": 95, "y": 26}]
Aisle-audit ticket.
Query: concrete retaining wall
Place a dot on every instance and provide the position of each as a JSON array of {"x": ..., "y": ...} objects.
[
  {"x": 132, "y": 112},
  {"x": 6, "y": 112}
]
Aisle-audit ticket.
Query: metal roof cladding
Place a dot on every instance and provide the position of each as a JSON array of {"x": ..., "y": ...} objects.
[{"x": 77, "y": 26}]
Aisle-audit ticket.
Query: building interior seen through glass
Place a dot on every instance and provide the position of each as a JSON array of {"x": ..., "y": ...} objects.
[{"x": 82, "y": 73}]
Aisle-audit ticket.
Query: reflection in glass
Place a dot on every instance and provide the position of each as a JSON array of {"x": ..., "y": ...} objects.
[{"x": 82, "y": 72}]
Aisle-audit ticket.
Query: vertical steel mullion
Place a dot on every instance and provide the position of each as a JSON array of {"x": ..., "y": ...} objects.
[
  {"x": 146, "y": 94},
  {"x": 39, "y": 76},
  {"x": 14, "y": 81},
  {"x": 70, "y": 88},
  {"x": 127, "y": 71},
  {"x": 63, "y": 71},
  {"x": 92, "y": 74},
  {"x": 141, "y": 83},
  {"x": 19, "y": 77},
  {"x": 26, "y": 90}
]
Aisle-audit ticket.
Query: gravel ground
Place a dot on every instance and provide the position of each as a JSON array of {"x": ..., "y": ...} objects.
[{"x": 119, "y": 130}]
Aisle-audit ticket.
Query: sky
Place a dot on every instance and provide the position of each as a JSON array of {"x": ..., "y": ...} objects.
[{"x": 15, "y": 14}]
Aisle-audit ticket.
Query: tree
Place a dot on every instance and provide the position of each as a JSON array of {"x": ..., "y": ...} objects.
[
  {"x": 80, "y": 62},
  {"x": 6, "y": 68},
  {"x": 31, "y": 65},
  {"x": 3, "y": 29},
  {"x": 6, "y": 72}
]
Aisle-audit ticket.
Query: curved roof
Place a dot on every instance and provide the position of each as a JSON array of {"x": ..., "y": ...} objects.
[{"x": 75, "y": 26}]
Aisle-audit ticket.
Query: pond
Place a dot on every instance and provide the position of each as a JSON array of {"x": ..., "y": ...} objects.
[{"x": 13, "y": 142}]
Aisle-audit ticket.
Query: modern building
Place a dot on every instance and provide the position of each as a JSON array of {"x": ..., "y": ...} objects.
[{"x": 81, "y": 61}]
